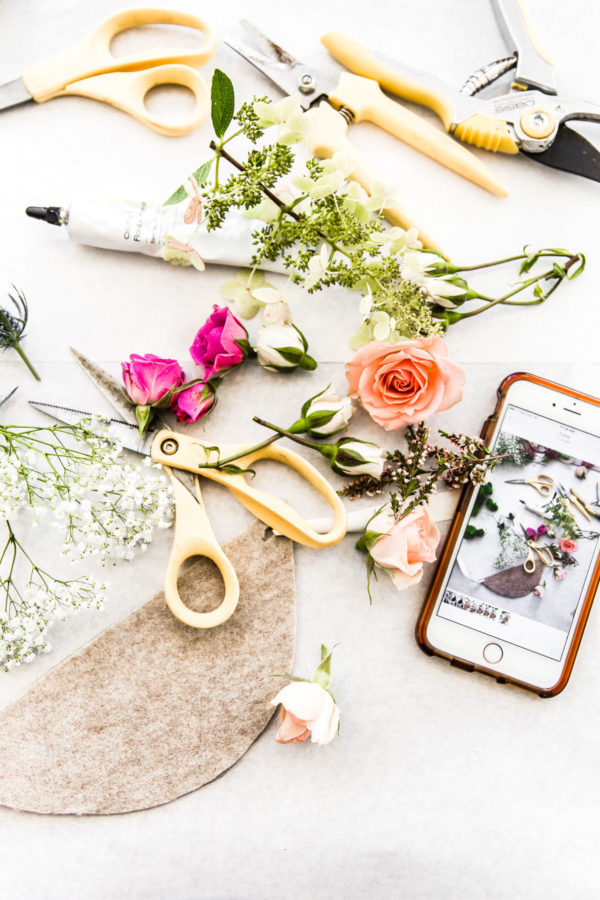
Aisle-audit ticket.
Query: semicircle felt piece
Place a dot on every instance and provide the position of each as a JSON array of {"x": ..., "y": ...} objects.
[
  {"x": 515, "y": 581},
  {"x": 153, "y": 709}
]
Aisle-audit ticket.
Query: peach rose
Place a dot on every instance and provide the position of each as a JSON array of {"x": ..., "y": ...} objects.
[
  {"x": 404, "y": 545},
  {"x": 306, "y": 709},
  {"x": 402, "y": 383}
]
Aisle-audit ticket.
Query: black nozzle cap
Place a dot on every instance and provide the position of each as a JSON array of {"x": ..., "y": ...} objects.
[{"x": 50, "y": 214}]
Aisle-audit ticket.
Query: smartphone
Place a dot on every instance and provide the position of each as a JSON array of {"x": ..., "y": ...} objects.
[{"x": 521, "y": 564}]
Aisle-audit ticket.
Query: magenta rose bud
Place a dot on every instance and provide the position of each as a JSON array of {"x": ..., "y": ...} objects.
[
  {"x": 194, "y": 403},
  {"x": 216, "y": 344},
  {"x": 148, "y": 378}
]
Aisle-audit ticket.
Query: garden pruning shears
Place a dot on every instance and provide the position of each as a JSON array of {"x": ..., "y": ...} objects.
[
  {"x": 89, "y": 69},
  {"x": 181, "y": 454},
  {"x": 334, "y": 104},
  {"x": 529, "y": 119}
]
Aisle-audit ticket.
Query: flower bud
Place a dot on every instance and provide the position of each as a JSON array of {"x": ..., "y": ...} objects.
[
  {"x": 350, "y": 456},
  {"x": 323, "y": 415},
  {"x": 282, "y": 347}
]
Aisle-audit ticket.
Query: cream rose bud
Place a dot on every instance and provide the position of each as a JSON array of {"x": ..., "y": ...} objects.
[
  {"x": 326, "y": 415},
  {"x": 307, "y": 710},
  {"x": 282, "y": 347},
  {"x": 354, "y": 457}
]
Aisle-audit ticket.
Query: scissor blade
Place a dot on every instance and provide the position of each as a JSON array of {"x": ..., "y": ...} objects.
[
  {"x": 8, "y": 396},
  {"x": 570, "y": 152},
  {"x": 13, "y": 93},
  {"x": 292, "y": 77},
  {"x": 128, "y": 435},
  {"x": 107, "y": 386}
]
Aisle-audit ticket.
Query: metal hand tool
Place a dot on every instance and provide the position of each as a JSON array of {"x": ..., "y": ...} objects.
[
  {"x": 337, "y": 103},
  {"x": 542, "y": 483},
  {"x": 90, "y": 69},
  {"x": 530, "y": 118}
]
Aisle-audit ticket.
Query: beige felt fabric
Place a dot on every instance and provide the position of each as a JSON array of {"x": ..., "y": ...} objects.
[{"x": 153, "y": 709}]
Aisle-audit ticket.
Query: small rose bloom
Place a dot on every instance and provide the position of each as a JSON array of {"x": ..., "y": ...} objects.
[
  {"x": 542, "y": 530},
  {"x": 581, "y": 471},
  {"x": 560, "y": 573},
  {"x": 215, "y": 346},
  {"x": 194, "y": 403},
  {"x": 402, "y": 383},
  {"x": 567, "y": 546},
  {"x": 351, "y": 456},
  {"x": 539, "y": 591},
  {"x": 317, "y": 412},
  {"x": 404, "y": 545},
  {"x": 307, "y": 709},
  {"x": 282, "y": 347},
  {"x": 148, "y": 378}
]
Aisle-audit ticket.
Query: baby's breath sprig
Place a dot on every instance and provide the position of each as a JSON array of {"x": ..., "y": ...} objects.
[
  {"x": 74, "y": 479},
  {"x": 27, "y": 611},
  {"x": 12, "y": 328},
  {"x": 415, "y": 473}
]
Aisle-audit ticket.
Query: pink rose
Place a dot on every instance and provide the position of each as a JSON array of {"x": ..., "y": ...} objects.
[
  {"x": 306, "y": 709},
  {"x": 404, "y": 545},
  {"x": 216, "y": 345},
  {"x": 148, "y": 378},
  {"x": 567, "y": 546},
  {"x": 581, "y": 471},
  {"x": 402, "y": 383},
  {"x": 560, "y": 573},
  {"x": 193, "y": 403}
]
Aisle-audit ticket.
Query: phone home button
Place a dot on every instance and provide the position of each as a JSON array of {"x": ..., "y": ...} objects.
[{"x": 493, "y": 653}]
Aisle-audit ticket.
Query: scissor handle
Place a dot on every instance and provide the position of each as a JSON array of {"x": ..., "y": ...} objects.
[
  {"x": 327, "y": 135},
  {"x": 127, "y": 91},
  {"x": 93, "y": 56},
  {"x": 529, "y": 564},
  {"x": 194, "y": 537},
  {"x": 188, "y": 453}
]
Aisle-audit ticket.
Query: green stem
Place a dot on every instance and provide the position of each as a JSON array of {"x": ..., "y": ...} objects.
[
  {"x": 17, "y": 346},
  {"x": 223, "y": 462},
  {"x": 452, "y": 269},
  {"x": 281, "y": 432}
]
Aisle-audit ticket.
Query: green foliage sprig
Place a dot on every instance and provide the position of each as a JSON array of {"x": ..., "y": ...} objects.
[{"x": 329, "y": 232}]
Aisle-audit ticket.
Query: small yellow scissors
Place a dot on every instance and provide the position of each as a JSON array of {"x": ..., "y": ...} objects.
[
  {"x": 89, "y": 69},
  {"x": 543, "y": 553},
  {"x": 193, "y": 532},
  {"x": 542, "y": 483}
]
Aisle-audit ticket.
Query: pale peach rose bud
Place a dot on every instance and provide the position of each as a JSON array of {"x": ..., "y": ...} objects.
[
  {"x": 307, "y": 710},
  {"x": 401, "y": 544}
]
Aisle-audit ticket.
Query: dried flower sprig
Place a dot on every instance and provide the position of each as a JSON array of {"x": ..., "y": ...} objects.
[
  {"x": 414, "y": 473},
  {"x": 12, "y": 328}
]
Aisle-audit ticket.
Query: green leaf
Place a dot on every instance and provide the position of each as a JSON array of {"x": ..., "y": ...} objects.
[
  {"x": 231, "y": 469},
  {"x": 322, "y": 674},
  {"x": 179, "y": 195},
  {"x": 202, "y": 173},
  {"x": 222, "y": 102}
]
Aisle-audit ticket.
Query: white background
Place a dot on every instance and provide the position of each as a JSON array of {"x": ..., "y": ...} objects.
[{"x": 441, "y": 783}]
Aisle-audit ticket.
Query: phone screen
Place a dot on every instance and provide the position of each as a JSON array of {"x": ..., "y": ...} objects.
[{"x": 525, "y": 558}]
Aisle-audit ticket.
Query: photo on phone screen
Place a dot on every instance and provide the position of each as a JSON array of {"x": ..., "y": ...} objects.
[{"x": 526, "y": 558}]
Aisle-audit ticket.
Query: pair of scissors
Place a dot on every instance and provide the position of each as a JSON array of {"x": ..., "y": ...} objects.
[
  {"x": 543, "y": 553},
  {"x": 179, "y": 454},
  {"x": 529, "y": 119},
  {"x": 336, "y": 103},
  {"x": 89, "y": 69},
  {"x": 573, "y": 502},
  {"x": 542, "y": 483}
]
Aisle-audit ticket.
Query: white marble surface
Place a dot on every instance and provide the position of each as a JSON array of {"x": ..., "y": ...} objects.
[{"x": 441, "y": 784}]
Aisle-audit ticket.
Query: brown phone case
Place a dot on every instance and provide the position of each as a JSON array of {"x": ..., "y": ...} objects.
[{"x": 428, "y": 607}]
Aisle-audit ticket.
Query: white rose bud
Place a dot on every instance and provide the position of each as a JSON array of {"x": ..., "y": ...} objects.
[
  {"x": 323, "y": 415},
  {"x": 354, "y": 457},
  {"x": 282, "y": 347}
]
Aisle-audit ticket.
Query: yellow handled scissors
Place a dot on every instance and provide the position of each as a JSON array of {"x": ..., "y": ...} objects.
[
  {"x": 542, "y": 483},
  {"x": 193, "y": 532},
  {"x": 89, "y": 69}
]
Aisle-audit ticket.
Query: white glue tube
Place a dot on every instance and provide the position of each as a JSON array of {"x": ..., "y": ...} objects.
[{"x": 140, "y": 227}]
